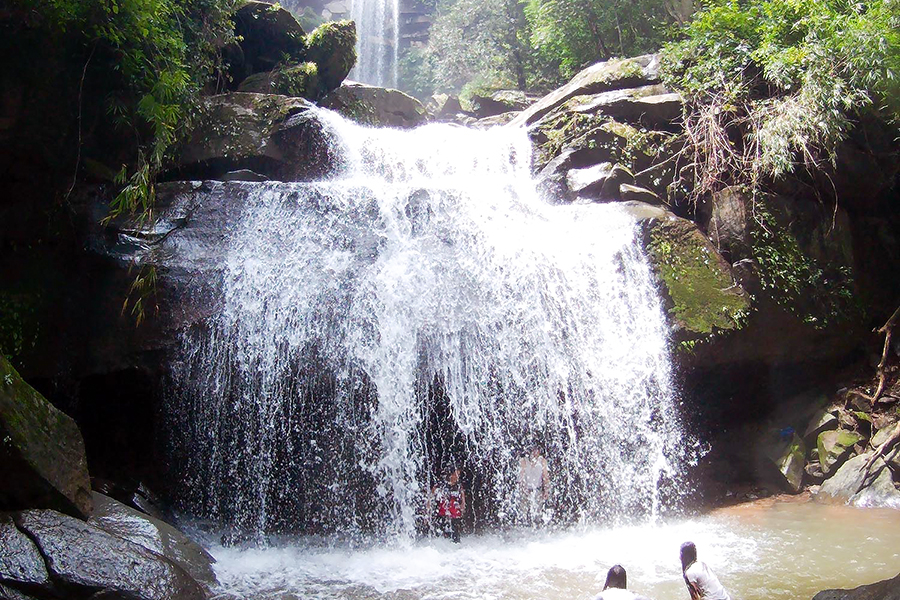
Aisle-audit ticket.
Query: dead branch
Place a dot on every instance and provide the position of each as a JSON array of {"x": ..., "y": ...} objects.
[
  {"x": 895, "y": 435},
  {"x": 887, "y": 329}
]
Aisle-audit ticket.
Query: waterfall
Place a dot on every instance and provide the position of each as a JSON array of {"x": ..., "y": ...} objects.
[
  {"x": 424, "y": 306},
  {"x": 378, "y": 41}
]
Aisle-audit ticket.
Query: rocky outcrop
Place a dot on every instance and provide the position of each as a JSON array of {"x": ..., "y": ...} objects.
[
  {"x": 42, "y": 452},
  {"x": 375, "y": 106},
  {"x": 84, "y": 559},
  {"x": 855, "y": 485},
  {"x": 888, "y": 589},
  {"x": 443, "y": 107},
  {"x": 701, "y": 294},
  {"x": 272, "y": 135},
  {"x": 499, "y": 102},
  {"x": 619, "y": 74}
]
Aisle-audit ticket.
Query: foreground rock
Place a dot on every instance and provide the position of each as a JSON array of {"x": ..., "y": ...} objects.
[
  {"x": 375, "y": 106},
  {"x": 86, "y": 559},
  {"x": 154, "y": 535},
  {"x": 41, "y": 452},
  {"x": 854, "y": 485},
  {"x": 889, "y": 589}
]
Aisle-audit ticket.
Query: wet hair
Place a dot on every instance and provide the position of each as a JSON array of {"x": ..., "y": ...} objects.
[
  {"x": 615, "y": 578},
  {"x": 688, "y": 554}
]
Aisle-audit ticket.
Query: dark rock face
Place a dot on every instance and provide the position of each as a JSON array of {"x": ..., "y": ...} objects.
[
  {"x": 889, "y": 589},
  {"x": 80, "y": 556},
  {"x": 154, "y": 535},
  {"x": 268, "y": 34},
  {"x": 42, "y": 451}
]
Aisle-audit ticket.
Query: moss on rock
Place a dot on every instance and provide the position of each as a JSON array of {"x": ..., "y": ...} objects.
[
  {"x": 703, "y": 296},
  {"x": 332, "y": 46},
  {"x": 41, "y": 450},
  {"x": 298, "y": 81}
]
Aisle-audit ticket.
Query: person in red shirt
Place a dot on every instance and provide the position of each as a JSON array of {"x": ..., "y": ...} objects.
[{"x": 449, "y": 499}]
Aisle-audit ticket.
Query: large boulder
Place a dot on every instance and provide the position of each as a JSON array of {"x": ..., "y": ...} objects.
[
  {"x": 86, "y": 559},
  {"x": 273, "y": 135},
  {"x": 702, "y": 295},
  {"x": 41, "y": 450},
  {"x": 852, "y": 484},
  {"x": 889, "y": 589},
  {"x": 443, "y": 107},
  {"x": 376, "y": 106},
  {"x": 499, "y": 102},
  {"x": 616, "y": 74},
  {"x": 332, "y": 46},
  {"x": 154, "y": 535},
  {"x": 267, "y": 34}
]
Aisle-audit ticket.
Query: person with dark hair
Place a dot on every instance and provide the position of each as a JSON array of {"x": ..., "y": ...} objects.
[
  {"x": 702, "y": 583},
  {"x": 615, "y": 587},
  {"x": 450, "y": 498}
]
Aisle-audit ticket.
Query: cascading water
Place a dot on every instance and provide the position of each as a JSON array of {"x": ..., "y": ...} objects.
[
  {"x": 378, "y": 41},
  {"x": 421, "y": 307}
]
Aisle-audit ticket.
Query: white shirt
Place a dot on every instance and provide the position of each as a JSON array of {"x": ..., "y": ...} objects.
[{"x": 706, "y": 581}]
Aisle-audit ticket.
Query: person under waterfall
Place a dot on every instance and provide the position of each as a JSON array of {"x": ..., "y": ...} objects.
[
  {"x": 534, "y": 486},
  {"x": 449, "y": 497},
  {"x": 615, "y": 587},
  {"x": 702, "y": 583}
]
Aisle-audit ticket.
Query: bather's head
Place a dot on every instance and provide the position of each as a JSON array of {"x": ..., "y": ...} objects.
[
  {"x": 688, "y": 554},
  {"x": 615, "y": 578}
]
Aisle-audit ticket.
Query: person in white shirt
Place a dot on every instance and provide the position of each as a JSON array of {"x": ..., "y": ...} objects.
[
  {"x": 702, "y": 583},
  {"x": 615, "y": 587},
  {"x": 534, "y": 485}
]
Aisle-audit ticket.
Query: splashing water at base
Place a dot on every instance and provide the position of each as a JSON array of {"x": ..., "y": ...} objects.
[
  {"x": 764, "y": 551},
  {"x": 424, "y": 307}
]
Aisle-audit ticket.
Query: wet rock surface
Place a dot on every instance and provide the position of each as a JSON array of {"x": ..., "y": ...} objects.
[
  {"x": 82, "y": 557},
  {"x": 375, "y": 106},
  {"x": 20, "y": 561},
  {"x": 154, "y": 535}
]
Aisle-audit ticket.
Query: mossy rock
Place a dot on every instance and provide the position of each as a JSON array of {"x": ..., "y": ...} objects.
[
  {"x": 376, "y": 106},
  {"x": 332, "y": 46},
  {"x": 702, "y": 295},
  {"x": 268, "y": 34},
  {"x": 41, "y": 452},
  {"x": 834, "y": 447},
  {"x": 298, "y": 81}
]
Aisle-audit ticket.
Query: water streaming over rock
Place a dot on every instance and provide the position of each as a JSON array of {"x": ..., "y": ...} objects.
[
  {"x": 423, "y": 307},
  {"x": 378, "y": 40}
]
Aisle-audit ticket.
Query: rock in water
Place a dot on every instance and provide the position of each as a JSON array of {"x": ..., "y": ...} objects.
[
  {"x": 81, "y": 555},
  {"x": 876, "y": 486},
  {"x": 889, "y": 589},
  {"x": 41, "y": 452}
]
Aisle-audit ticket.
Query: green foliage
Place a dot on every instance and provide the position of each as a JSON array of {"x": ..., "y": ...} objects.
[
  {"x": 154, "y": 55},
  {"x": 772, "y": 84},
  {"x": 577, "y": 33},
  {"x": 818, "y": 294},
  {"x": 473, "y": 40},
  {"x": 19, "y": 324}
]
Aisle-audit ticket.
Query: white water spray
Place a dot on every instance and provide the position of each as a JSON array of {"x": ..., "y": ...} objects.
[{"x": 424, "y": 306}]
